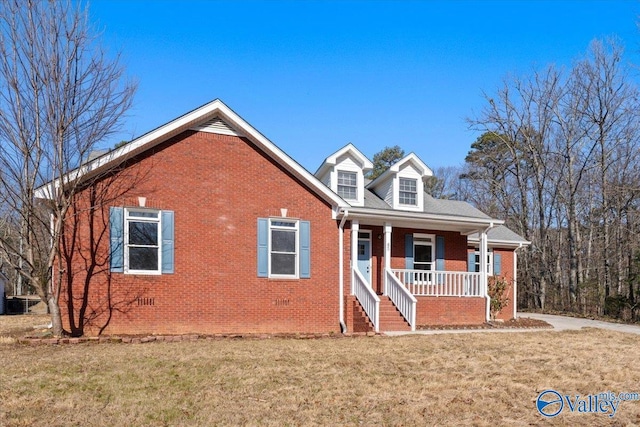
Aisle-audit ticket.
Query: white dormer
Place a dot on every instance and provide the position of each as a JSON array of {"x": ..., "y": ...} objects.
[
  {"x": 343, "y": 172},
  {"x": 402, "y": 185}
]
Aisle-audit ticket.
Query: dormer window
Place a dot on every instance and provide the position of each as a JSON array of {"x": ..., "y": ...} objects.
[
  {"x": 348, "y": 185},
  {"x": 408, "y": 191}
]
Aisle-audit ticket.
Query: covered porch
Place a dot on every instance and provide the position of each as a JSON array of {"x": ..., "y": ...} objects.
[{"x": 419, "y": 266}]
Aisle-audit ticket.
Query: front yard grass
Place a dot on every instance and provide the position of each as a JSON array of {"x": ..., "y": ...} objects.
[{"x": 451, "y": 379}]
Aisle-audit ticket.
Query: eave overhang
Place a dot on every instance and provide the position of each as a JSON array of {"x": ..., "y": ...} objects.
[
  {"x": 163, "y": 133},
  {"x": 464, "y": 225}
]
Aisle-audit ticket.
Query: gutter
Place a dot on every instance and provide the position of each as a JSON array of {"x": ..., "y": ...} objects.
[
  {"x": 345, "y": 214},
  {"x": 421, "y": 216}
]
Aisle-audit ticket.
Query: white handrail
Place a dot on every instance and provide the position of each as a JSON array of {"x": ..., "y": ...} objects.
[
  {"x": 368, "y": 299},
  {"x": 440, "y": 283},
  {"x": 402, "y": 298}
]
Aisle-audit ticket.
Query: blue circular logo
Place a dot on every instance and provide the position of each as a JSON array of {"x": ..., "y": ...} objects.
[{"x": 549, "y": 403}]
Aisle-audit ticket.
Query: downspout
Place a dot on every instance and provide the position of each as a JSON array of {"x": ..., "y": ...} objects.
[{"x": 343, "y": 326}]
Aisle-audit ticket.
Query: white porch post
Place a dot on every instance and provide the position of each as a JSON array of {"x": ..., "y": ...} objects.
[
  {"x": 515, "y": 282},
  {"x": 355, "y": 227},
  {"x": 387, "y": 252},
  {"x": 483, "y": 271}
]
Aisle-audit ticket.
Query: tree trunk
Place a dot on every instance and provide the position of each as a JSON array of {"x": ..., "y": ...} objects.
[{"x": 56, "y": 316}]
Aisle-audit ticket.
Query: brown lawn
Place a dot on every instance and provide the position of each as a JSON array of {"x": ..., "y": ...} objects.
[{"x": 452, "y": 379}]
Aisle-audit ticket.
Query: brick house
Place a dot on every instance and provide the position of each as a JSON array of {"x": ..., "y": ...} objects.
[{"x": 205, "y": 226}]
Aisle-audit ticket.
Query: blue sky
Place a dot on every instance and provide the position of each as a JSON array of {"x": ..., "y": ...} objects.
[{"x": 315, "y": 75}]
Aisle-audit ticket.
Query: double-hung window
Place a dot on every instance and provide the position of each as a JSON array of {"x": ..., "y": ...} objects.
[
  {"x": 142, "y": 241},
  {"x": 284, "y": 248},
  {"x": 408, "y": 191},
  {"x": 348, "y": 185},
  {"x": 489, "y": 262}
]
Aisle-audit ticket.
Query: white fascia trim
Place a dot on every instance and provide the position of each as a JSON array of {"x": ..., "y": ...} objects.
[
  {"x": 332, "y": 160},
  {"x": 501, "y": 243},
  {"x": 423, "y": 169},
  {"x": 446, "y": 219},
  {"x": 182, "y": 123},
  {"x": 284, "y": 159}
]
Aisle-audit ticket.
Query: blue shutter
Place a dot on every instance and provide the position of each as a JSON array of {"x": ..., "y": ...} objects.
[
  {"x": 408, "y": 251},
  {"x": 305, "y": 250},
  {"x": 116, "y": 234},
  {"x": 471, "y": 262},
  {"x": 497, "y": 264},
  {"x": 167, "y": 242},
  {"x": 263, "y": 247},
  {"x": 440, "y": 253}
]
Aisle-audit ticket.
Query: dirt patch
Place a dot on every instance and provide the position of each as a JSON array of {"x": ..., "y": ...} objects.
[
  {"x": 519, "y": 323},
  {"x": 17, "y": 326}
]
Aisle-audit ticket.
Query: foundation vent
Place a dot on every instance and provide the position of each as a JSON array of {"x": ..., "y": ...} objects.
[{"x": 146, "y": 301}]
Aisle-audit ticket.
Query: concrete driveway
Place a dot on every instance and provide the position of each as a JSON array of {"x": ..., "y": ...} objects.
[{"x": 564, "y": 323}]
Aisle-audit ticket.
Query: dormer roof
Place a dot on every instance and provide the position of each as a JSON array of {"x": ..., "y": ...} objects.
[
  {"x": 411, "y": 159},
  {"x": 363, "y": 162}
]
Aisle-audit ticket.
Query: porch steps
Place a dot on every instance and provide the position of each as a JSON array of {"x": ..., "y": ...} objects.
[
  {"x": 361, "y": 322},
  {"x": 390, "y": 317}
]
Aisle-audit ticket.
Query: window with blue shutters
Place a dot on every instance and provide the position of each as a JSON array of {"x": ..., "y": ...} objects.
[
  {"x": 141, "y": 241},
  {"x": 474, "y": 263},
  {"x": 284, "y": 248}
]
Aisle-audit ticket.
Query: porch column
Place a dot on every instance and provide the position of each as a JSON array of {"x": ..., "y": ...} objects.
[
  {"x": 483, "y": 271},
  {"x": 355, "y": 227},
  {"x": 387, "y": 253}
]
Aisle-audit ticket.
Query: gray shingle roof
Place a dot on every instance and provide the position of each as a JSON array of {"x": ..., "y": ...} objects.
[
  {"x": 431, "y": 206},
  {"x": 501, "y": 234}
]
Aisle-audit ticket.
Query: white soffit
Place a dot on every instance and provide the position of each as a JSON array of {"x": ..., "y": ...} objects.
[{"x": 217, "y": 125}]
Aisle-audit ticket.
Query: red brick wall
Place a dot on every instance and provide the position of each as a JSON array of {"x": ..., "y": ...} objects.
[
  {"x": 450, "y": 310},
  {"x": 506, "y": 271},
  {"x": 430, "y": 310},
  {"x": 217, "y": 186},
  {"x": 455, "y": 248}
]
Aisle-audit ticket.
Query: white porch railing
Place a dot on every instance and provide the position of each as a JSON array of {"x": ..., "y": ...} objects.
[
  {"x": 402, "y": 298},
  {"x": 440, "y": 283},
  {"x": 367, "y": 298}
]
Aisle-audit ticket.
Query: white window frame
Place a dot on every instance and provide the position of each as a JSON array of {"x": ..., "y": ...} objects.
[
  {"x": 157, "y": 220},
  {"x": 476, "y": 261},
  {"x": 296, "y": 228},
  {"x": 400, "y": 191},
  {"x": 354, "y": 186}
]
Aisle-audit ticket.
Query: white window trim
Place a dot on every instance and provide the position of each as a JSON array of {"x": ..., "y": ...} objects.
[
  {"x": 418, "y": 207},
  {"x": 297, "y": 245},
  {"x": 356, "y": 186},
  {"x": 157, "y": 220},
  {"x": 359, "y": 201},
  {"x": 415, "y": 180},
  {"x": 489, "y": 261}
]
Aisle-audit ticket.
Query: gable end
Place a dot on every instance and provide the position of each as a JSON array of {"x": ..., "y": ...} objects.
[{"x": 217, "y": 125}]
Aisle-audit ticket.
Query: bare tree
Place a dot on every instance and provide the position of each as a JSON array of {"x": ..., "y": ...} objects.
[
  {"x": 561, "y": 156},
  {"x": 61, "y": 96}
]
